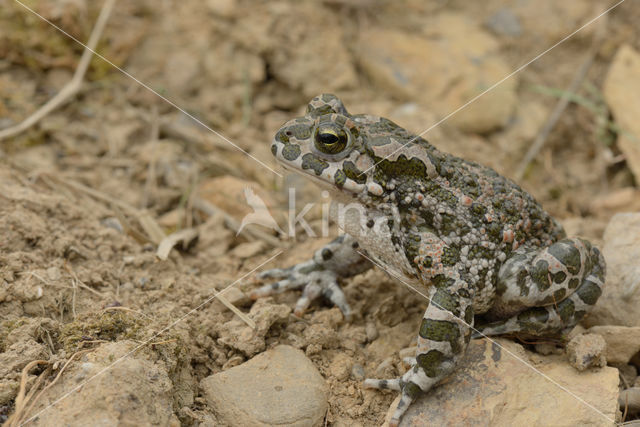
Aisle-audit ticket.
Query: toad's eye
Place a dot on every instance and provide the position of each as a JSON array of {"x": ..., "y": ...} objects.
[{"x": 330, "y": 139}]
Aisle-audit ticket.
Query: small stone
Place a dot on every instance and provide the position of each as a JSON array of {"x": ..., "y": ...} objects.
[
  {"x": 371, "y": 331},
  {"x": 278, "y": 387},
  {"x": 114, "y": 223},
  {"x": 357, "y": 372},
  {"x": 53, "y": 273},
  {"x": 504, "y": 22},
  {"x": 587, "y": 351}
]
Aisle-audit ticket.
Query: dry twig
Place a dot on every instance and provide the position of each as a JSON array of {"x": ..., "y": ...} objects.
[
  {"x": 562, "y": 104},
  {"x": 71, "y": 88},
  {"x": 246, "y": 319},
  {"x": 48, "y": 386},
  {"x": 20, "y": 401}
]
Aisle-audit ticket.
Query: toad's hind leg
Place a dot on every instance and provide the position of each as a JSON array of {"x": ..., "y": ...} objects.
[
  {"x": 442, "y": 339},
  {"x": 550, "y": 289}
]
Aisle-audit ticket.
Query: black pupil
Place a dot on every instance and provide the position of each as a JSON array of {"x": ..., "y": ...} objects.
[{"x": 328, "y": 138}]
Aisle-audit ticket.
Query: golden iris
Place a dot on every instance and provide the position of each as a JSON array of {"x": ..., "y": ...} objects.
[{"x": 330, "y": 139}]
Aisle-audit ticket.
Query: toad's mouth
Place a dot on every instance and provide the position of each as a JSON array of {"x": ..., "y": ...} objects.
[{"x": 310, "y": 175}]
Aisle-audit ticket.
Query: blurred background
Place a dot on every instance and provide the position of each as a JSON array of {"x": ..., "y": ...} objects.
[{"x": 90, "y": 191}]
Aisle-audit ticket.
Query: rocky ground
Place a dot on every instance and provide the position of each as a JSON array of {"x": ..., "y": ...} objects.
[{"x": 119, "y": 214}]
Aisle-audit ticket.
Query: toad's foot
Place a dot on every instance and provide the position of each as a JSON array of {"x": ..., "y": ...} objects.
[
  {"x": 405, "y": 385},
  {"x": 318, "y": 276}
]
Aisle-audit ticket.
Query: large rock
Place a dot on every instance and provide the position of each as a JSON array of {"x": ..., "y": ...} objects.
[
  {"x": 622, "y": 93},
  {"x": 446, "y": 69},
  {"x": 279, "y": 387},
  {"x": 134, "y": 391},
  {"x": 620, "y": 298},
  {"x": 494, "y": 388},
  {"x": 623, "y": 342}
]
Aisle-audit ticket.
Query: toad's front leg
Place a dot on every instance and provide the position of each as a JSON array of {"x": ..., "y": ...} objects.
[
  {"x": 442, "y": 340},
  {"x": 319, "y": 276}
]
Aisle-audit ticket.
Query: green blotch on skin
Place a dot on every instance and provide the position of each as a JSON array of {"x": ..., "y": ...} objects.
[
  {"x": 412, "y": 247},
  {"x": 401, "y": 167},
  {"x": 339, "y": 178},
  {"x": 442, "y": 281},
  {"x": 274, "y": 149},
  {"x": 566, "y": 309},
  {"x": 494, "y": 230},
  {"x": 589, "y": 292},
  {"x": 540, "y": 275},
  {"x": 441, "y": 330},
  {"x": 319, "y": 111},
  {"x": 559, "y": 294},
  {"x": 328, "y": 97},
  {"x": 430, "y": 362},
  {"x": 450, "y": 256},
  {"x": 573, "y": 283},
  {"x": 567, "y": 254},
  {"x": 310, "y": 161},
  {"x": 412, "y": 390},
  {"x": 521, "y": 281},
  {"x": 445, "y": 301},
  {"x": 353, "y": 173},
  {"x": 468, "y": 315},
  {"x": 282, "y": 136},
  {"x": 559, "y": 277},
  {"x": 291, "y": 152},
  {"x": 300, "y": 131}
]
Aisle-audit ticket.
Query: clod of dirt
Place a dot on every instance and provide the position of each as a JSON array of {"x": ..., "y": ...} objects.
[
  {"x": 239, "y": 336},
  {"x": 135, "y": 391},
  {"x": 622, "y": 342},
  {"x": 620, "y": 298},
  {"x": 587, "y": 351},
  {"x": 278, "y": 387},
  {"x": 492, "y": 387},
  {"x": 108, "y": 326}
]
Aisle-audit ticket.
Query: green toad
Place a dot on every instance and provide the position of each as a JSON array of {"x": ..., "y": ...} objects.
[{"x": 487, "y": 255}]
